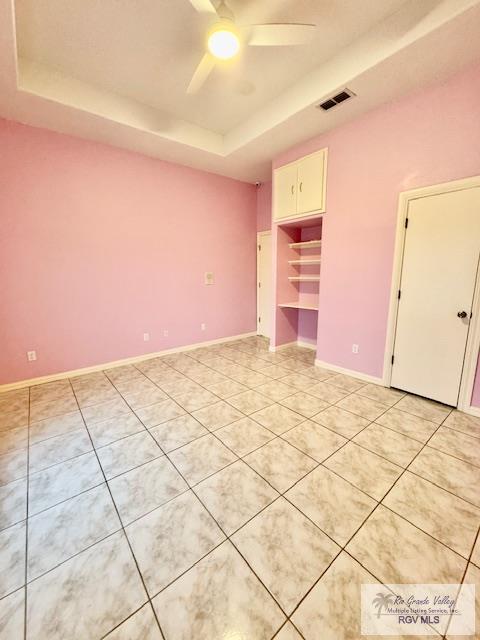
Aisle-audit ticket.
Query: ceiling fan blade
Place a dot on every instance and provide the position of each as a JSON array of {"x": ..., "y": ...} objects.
[
  {"x": 201, "y": 73},
  {"x": 271, "y": 35},
  {"x": 204, "y": 6}
]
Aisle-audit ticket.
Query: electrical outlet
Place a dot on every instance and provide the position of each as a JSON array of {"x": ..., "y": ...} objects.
[
  {"x": 354, "y": 348},
  {"x": 31, "y": 356},
  {"x": 165, "y": 333},
  {"x": 208, "y": 277},
  {"x": 146, "y": 337},
  {"x": 203, "y": 326}
]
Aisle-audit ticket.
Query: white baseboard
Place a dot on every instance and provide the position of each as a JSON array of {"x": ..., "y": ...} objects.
[
  {"x": 306, "y": 345},
  {"x": 297, "y": 343},
  {"x": 117, "y": 363},
  {"x": 472, "y": 411},
  {"x": 350, "y": 372},
  {"x": 281, "y": 347}
]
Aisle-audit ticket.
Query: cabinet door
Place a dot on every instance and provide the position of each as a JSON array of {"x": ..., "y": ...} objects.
[
  {"x": 311, "y": 183},
  {"x": 285, "y": 192}
]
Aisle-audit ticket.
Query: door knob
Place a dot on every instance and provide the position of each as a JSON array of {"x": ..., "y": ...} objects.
[{"x": 462, "y": 314}]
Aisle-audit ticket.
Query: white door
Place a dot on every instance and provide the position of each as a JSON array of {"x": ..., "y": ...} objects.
[
  {"x": 285, "y": 191},
  {"x": 311, "y": 187},
  {"x": 439, "y": 271},
  {"x": 264, "y": 285}
]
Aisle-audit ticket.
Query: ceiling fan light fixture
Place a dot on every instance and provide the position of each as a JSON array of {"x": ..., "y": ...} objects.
[{"x": 223, "y": 43}]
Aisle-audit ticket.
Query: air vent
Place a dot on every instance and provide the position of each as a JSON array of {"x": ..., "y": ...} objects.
[{"x": 346, "y": 94}]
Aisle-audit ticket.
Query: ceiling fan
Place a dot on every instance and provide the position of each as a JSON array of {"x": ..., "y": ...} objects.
[{"x": 225, "y": 38}]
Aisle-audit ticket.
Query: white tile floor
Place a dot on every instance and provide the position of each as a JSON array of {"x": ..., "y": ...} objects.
[{"x": 226, "y": 492}]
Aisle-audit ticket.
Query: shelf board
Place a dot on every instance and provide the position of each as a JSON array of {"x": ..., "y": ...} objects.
[
  {"x": 298, "y": 305},
  {"x": 304, "y": 278},
  {"x": 310, "y": 244},
  {"x": 305, "y": 261}
]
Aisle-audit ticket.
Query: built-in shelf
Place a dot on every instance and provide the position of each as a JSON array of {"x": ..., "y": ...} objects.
[
  {"x": 305, "y": 261},
  {"x": 310, "y": 244},
  {"x": 298, "y": 305},
  {"x": 304, "y": 278}
]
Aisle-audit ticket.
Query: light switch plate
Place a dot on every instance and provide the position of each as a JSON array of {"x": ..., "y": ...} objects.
[{"x": 208, "y": 277}]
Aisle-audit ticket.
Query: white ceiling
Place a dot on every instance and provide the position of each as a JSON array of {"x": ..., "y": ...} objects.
[
  {"x": 116, "y": 71},
  {"x": 148, "y": 50}
]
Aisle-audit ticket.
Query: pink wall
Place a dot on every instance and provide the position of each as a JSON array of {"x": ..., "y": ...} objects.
[
  {"x": 99, "y": 245},
  {"x": 264, "y": 206},
  {"x": 430, "y": 137}
]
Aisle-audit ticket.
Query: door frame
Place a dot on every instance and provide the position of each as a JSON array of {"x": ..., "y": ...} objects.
[
  {"x": 260, "y": 235},
  {"x": 473, "y": 338}
]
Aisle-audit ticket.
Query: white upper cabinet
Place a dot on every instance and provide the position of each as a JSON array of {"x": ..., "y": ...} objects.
[
  {"x": 311, "y": 183},
  {"x": 285, "y": 195},
  {"x": 299, "y": 187}
]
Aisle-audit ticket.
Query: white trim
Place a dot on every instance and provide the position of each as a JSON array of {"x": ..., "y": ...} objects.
[
  {"x": 349, "y": 372},
  {"x": 473, "y": 339},
  {"x": 306, "y": 345},
  {"x": 296, "y": 343},
  {"x": 117, "y": 363},
  {"x": 394, "y": 287},
  {"x": 261, "y": 234},
  {"x": 472, "y": 350},
  {"x": 300, "y": 218},
  {"x": 473, "y": 411},
  {"x": 281, "y": 347}
]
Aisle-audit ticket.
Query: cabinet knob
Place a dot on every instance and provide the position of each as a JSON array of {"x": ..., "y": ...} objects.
[
  {"x": 292, "y": 189},
  {"x": 462, "y": 314},
  {"x": 301, "y": 185}
]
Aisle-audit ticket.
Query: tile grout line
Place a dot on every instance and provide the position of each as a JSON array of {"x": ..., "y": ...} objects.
[
  {"x": 191, "y": 487},
  {"x": 386, "y": 494},
  {"x": 119, "y": 518},
  {"x": 297, "y": 425},
  {"x": 33, "y": 515},
  {"x": 27, "y": 522},
  {"x": 255, "y": 515},
  {"x": 145, "y": 604},
  {"x": 320, "y": 464},
  {"x": 343, "y": 548},
  {"x": 250, "y": 416},
  {"x": 145, "y": 430},
  {"x": 348, "y": 440},
  {"x": 404, "y": 470},
  {"x": 304, "y": 419},
  {"x": 364, "y": 522},
  {"x": 297, "y": 390},
  {"x": 452, "y": 456},
  {"x": 462, "y": 581},
  {"x": 227, "y": 538},
  {"x": 353, "y": 392},
  {"x": 100, "y": 539}
]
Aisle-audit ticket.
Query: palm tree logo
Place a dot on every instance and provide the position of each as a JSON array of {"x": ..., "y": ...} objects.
[{"x": 382, "y": 601}]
